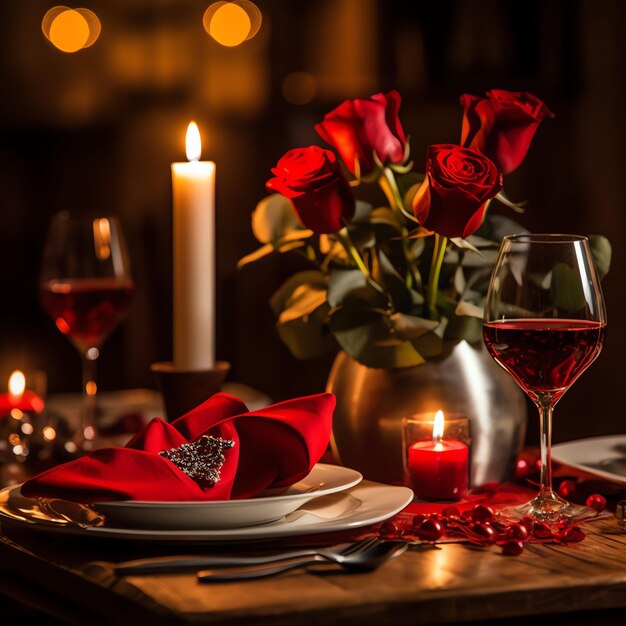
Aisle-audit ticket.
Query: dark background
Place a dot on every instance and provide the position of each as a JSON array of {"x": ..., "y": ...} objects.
[{"x": 98, "y": 130}]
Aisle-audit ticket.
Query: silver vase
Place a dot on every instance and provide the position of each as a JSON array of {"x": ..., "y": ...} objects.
[{"x": 367, "y": 425}]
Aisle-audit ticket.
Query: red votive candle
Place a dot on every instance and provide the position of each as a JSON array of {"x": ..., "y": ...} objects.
[
  {"x": 438, "y": 470},
  {"x": 18, "y": 397}
]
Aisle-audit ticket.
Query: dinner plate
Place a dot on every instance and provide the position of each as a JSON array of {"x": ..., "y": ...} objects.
[
  {"x": 366, "y": 503},
  {"x": 220, "y": 514},
  {"x": 602, "y": 456}
]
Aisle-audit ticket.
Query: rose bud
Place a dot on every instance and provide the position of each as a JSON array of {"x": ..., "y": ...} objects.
[
  {"x": 358, "y": 129},
  {"x": 501, "y": 125},
  {"x": 513, "y": 547},
  {"x": 596, "y": 501},
  {"x": 567, "y": 488},
  {"x": 430, "y": 530},
  {"x": 319, "y": 192},
  {"x": 459, "y": 183}
]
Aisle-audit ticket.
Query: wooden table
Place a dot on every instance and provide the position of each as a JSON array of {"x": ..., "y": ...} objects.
[{"x": 580, "y": 583}]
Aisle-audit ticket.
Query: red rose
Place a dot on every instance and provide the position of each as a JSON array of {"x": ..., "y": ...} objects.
[
  {"x": 453, "y": 197},
  {"x": 359, "y": 128},
  {"x": 312, "y": 179},
  {"x": 502, "y": 125}
]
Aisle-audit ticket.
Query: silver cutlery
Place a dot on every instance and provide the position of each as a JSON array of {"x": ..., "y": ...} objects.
[
  {"x": 364, "y": 559},
  {"x": 169, "y": 565}
]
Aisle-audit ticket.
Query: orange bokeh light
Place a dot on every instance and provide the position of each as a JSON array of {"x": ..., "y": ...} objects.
[
  {"x": 71, "y": 30},
  {"x": 232, "y": 23}
]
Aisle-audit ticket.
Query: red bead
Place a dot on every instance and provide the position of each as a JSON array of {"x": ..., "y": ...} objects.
[
  {"x": 486, "y": 533},
  {"x": 596, "y": 501},
  {"x": 418, "y": 520},
  {"x": 521, "y": 469},
  {"x": 389, "y": 528},
  {"x": 429, "y": 530},
  {"x": 517, "y": 531},
  {"x": 451, "y": 511},
  {"x": 481, "y": 513},
  {"x": 567, "y": 488},
  {"x": 527, "y": 521},
  {"x": 573, "y": 534},
  {"x": 541, "y": 530},
  {"x": 513, "y": 547}
]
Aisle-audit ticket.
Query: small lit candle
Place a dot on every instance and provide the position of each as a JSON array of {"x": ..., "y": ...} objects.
[
  {"x": 438, "y": 469},
  {"x": 193, "y": 187},
  {"x": 18, "y": 397}
]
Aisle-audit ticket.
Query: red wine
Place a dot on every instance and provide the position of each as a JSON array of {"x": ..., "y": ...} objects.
[
  {"x": 544, "y": 355},
  {"x": 87, "y": 309}
]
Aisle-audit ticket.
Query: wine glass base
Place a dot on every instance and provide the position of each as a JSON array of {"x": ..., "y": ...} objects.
[{"x": 550, "y": 509}]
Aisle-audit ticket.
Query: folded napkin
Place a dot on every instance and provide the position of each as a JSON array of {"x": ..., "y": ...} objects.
[{"x": 273, "y": 447}]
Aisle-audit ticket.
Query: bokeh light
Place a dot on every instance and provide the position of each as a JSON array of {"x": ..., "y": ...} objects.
[
  {"x": 299, "y": 88},
  {"x": 71, "y": 30},
  {"x": 232, "y": 23}
]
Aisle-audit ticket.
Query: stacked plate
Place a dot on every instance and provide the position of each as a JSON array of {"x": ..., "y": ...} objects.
[{"x": 329, "y": 499}]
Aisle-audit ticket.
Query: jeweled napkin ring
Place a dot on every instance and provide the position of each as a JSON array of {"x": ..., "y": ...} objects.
[{"x": 201, "y": 460}]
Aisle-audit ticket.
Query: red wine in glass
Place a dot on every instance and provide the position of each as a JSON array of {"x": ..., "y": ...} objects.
[
  {"x": 545, "y": 323},
  {"x": 87, "y": 309},
  {"x": 544, "y": 355},
  {"x": 86, "y": 288}
]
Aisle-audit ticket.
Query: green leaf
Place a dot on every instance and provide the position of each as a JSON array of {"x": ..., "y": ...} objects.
[
  {"x": 274, "y": 218},
  {"x": 306, "y": 340},
  {"x": 302, "y": 302},
  {"x": 384, "y": 216},
  {"x": 464, "y": 308},
  {"x": 463, "y": 244},
  {"x": 518, "y": 207},
  {"x": 256, "y": 255},
  {"x": 601, "y": 251},
  {"x": 365, "y": 336},
  {"x": 566, "y": 287},
  {"x": 349, "y": 288},
  {"x": 408, "y": 327},
  {"x": 406, "y": 182},
  {"x": 312, "y": 278}
]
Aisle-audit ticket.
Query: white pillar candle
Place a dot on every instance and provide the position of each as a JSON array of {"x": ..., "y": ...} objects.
[{"x": 193, "y": 186}]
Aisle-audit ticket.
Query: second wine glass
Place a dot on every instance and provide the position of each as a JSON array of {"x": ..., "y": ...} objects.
[
  {"x": 545, "y": 323},
  {"x": 86, "y": 287}
]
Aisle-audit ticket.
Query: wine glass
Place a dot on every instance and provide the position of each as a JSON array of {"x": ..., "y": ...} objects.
[
  {"x": 545, "y": 323},
  {"x": 86, "y": 288}
]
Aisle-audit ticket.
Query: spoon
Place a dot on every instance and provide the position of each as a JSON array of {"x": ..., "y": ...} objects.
[{"x": 363, "y": 560}]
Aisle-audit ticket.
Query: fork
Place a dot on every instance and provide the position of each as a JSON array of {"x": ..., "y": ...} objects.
[{"x": 168, "y": 565}]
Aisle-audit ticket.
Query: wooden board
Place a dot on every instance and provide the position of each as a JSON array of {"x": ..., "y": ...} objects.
[{"x": 448, "y": 584}]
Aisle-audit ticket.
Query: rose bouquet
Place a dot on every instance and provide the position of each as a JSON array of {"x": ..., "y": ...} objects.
[{"x": 394, "y": 283}]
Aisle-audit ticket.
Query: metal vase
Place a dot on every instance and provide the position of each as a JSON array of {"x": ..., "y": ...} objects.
[{"x": 367, "y": 425}]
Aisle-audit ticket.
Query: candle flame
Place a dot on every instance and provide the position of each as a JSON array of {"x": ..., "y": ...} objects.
[
  {"x": 193, "y": 142},
  {"x": 17, "y": 383},
  {"x": 438, "y": 426}
]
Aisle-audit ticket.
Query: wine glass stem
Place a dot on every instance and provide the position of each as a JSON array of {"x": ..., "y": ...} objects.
[
  {"x": 88, "y": 415},
  {"x": 545, "y": 406}
]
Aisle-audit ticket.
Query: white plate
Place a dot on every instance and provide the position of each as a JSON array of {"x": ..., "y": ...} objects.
[
  {"x": 602, "y": 456},
  {"x": 367, "y": 503},
  {"x": 221, "y": 514}
]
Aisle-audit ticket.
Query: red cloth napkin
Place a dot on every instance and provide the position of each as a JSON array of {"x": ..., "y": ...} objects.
[{"x": 274, "y": 447}]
